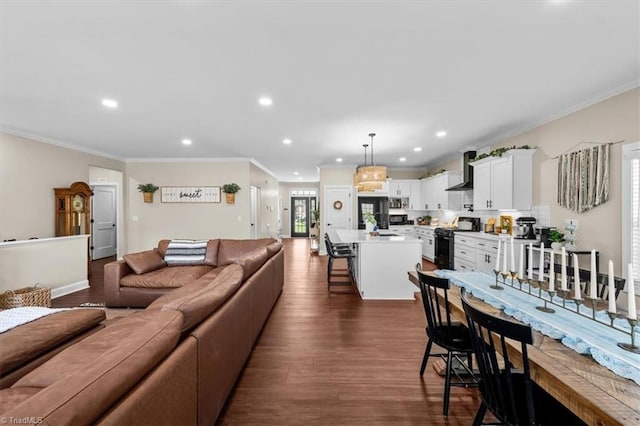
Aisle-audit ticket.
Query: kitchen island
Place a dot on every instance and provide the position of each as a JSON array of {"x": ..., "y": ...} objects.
[{"x": 382, "y": 262}]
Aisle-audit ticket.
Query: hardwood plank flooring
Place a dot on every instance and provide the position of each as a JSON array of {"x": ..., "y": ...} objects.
[
  {"x": 332, "y": 358},
  {"x": 336, "y": 359}
]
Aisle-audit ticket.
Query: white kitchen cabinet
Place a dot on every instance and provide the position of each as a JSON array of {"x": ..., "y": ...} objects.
[
  {"x": 428, "y": 242},
  {"x": 504, "y": 183},
  {"x": 435, "y": 196},
  {"x": 415, "y": 200},
  {"x": 486, "y": 251},
  {"x": 399, "y": 188},
  {"x": 476, "y": 251}
]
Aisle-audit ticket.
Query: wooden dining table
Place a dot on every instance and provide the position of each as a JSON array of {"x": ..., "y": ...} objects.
[{"x": 591, "y": 391}]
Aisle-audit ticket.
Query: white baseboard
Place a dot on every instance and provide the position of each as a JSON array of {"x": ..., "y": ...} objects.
[{"x": 69, "y": 288}]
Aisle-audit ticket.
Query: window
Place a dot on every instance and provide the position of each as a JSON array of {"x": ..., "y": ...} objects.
[{"x": 631, "y": 210}]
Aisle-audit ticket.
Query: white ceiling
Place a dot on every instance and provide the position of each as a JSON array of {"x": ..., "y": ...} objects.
[{"x": 336, "y": 71}]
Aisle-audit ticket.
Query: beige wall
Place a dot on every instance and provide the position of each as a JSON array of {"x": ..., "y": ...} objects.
[
  {"x": 29, "y": 170},
  {"x": 614, "y": 119},
  {"x": 159, "y": 220}
]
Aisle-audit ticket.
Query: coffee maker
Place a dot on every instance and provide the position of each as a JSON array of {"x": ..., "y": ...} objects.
[{"x": 524, "y": 228}]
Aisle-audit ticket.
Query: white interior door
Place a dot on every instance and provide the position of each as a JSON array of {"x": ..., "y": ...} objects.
[
  {"x": 337, "y": 207},
  {"x": 103, "y": 230}
]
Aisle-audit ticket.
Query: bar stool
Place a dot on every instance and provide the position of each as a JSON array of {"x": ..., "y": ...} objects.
[{"x": 339, "y": 251}]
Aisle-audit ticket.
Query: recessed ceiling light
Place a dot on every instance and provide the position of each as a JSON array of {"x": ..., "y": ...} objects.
[
  {"x": 441, "y": 134},
  {"x": 339, "y": 160},
  {"x": 296, "y": 173},
  {"x": 417, "y": 149},
  {"x": 403, "y": 158},
  {"x": 286, "y": 141},
  {"x": 109, "y": 103},
  {"x": 186, "y": 141},
  {"x": 299, "y": 177},
  {"x": 264, "y": 101}
]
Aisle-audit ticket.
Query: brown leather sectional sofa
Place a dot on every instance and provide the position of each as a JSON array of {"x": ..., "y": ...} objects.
[{"x": 173, "y": 363}]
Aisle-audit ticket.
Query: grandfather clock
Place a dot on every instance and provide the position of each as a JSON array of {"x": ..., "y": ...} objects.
[{"x": 73, "y": 212}]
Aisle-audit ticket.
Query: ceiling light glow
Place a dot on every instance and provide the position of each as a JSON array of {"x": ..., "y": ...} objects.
[
  {"x": 287, "y": 141},
  {"x": 264, "y": 101},
  {"x": 441, "y": 134},
  {"x": 296, "y": 173},
  {"x": 417, "y": 149},
  {"x": 403, "y": 159},
  {"x": 109, "y": 103},
  {"x": 186, "y": 141},
  {"x": 339, "y": 160}
]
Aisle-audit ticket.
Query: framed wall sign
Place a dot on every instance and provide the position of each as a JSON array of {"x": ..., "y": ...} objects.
[{"x": 190, "y": 194}]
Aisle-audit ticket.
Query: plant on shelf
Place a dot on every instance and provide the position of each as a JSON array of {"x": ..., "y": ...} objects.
[
  {"x": 430, "y": 174},
  {"x": 556, "y": 237},
  {"x": 147, "y": 190},
  {"x": 499, "y": 151},
  {"x": 230, "y": 190}
]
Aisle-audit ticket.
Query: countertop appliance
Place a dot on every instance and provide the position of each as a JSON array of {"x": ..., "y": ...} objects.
[
  {"x": 379, "y": 206},
  {"x": 471, "y": 224},
  {"x": 398, "y": 219},
  {"x": 524, "y": 228}
]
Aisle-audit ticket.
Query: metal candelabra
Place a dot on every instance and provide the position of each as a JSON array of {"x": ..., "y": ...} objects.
[{"x": 509, "y": 278}]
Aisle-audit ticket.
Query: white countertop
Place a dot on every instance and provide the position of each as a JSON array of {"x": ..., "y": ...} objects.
[
  {"x": 361, "y": 236},
  {"x": 492, "y": 236}
]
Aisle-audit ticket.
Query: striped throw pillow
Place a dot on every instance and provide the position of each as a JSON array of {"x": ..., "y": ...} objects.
[{"x": 186, "y": 252}]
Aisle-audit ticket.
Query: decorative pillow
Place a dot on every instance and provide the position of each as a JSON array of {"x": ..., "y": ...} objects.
[
  {"x": 186, "y": 252},
  {"x": 145, "y": 261}
]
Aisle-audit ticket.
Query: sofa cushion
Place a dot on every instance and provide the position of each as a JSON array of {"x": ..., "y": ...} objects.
[
  {"x": 162, "y": 247},
  {"x": 23, "y": 344},
  {"x": 232, "y": 251},
  {"x": 253, "y": 260},
  {"x": 84, "y": 380},
  {"x": 169, "y": 277},
  {"x": 10, "y": 398},
  {"x": 144, "y": 261},
  {"x": 211, "y": 257},
  {"x": 274, "y": 247},
  {"x": 198, "y": 299}
]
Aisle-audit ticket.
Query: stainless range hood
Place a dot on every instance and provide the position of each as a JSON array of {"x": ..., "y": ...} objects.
[{"x": 467, "y": 173}]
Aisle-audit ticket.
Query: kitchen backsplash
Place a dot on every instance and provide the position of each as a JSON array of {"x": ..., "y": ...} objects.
[{"x": 541, "y": 213}]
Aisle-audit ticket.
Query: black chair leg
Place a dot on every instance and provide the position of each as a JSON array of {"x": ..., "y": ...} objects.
[
  {"x": 477, "y": 420},
  {"x": 427, "y": 351},
  {"x": 329, "y": 269},
  {"x": 470, "y": 361},
  {"x": 447, "y": 384}
]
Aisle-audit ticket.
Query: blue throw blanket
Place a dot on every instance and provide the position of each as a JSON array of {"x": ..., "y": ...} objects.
[{"x": 186, "y": 252}]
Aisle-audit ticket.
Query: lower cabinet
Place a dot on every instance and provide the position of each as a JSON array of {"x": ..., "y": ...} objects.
[
  {"x": 428, "y": 243},
  {"x": 477, "y": 252}
]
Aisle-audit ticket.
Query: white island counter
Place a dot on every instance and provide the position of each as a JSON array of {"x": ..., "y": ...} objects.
[{"x": 382, "y": 262}]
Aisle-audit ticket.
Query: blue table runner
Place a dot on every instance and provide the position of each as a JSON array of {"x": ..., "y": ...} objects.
[{"x": 581, "y": 334}]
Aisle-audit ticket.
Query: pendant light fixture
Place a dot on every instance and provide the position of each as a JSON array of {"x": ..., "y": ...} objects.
[{"x": 370, "y": 178}]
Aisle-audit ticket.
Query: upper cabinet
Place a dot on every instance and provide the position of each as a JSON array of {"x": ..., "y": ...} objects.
[
  {"x": 435, "y": 196},
  {"x": 504, "y": 183},
  {"x": 399, "y": 188}
]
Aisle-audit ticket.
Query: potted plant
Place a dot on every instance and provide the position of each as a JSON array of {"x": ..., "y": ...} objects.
[
  {"x": 556, "y": 237},
  {"x": 147, "y": 190},
  {"x": 370, "y": 221},
  {"x": 230, "y": 190}
]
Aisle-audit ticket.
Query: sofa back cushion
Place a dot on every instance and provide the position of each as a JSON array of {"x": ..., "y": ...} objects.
[
  {"x": 84, "y": 380},
  {"x": 232, "y": 251},
  {"x": 198, "y": 299},
  {"x": 145, "y": 261}
]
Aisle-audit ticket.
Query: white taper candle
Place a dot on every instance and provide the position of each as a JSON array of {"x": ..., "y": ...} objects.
[
  {"x": 504, "y": 258},
  {"x": 541, "y": 264},
  {"x": 498, "y": 257},
  {"x": 521, "y": 262},
  {"x": 563, "y": 277},
  {"x": 612, "y": 289},
  {"x": 552, "y": 273},
  {"x": 576, "y": 278},
  {"x": 593, "y": 285},
  {"x": 530, "y": 262},
  {"x": 513, "y": 258},
  {"x": 631, "y": 294}
]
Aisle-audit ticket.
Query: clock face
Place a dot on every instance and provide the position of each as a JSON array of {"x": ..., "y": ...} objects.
[{"x": 78, "y": 203}]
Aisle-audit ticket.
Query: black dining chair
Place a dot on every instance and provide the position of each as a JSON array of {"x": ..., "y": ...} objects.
[
  {"x": 339, "y": 251},
  {"x": 509, "y": 393},
  {"x": 452, "y": 336}
]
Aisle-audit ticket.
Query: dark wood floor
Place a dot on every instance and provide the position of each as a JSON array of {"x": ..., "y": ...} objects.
[{"x": 332, "y": 358}]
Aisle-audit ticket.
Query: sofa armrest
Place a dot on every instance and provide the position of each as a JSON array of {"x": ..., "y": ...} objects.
[{"x": 113, "y": 273}]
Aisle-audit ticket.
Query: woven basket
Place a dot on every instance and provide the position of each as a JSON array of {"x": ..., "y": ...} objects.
[{"x": 28, "y": 296}]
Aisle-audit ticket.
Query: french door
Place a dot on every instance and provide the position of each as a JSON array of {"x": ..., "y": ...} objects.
[{"x": 301, "y": 215}]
